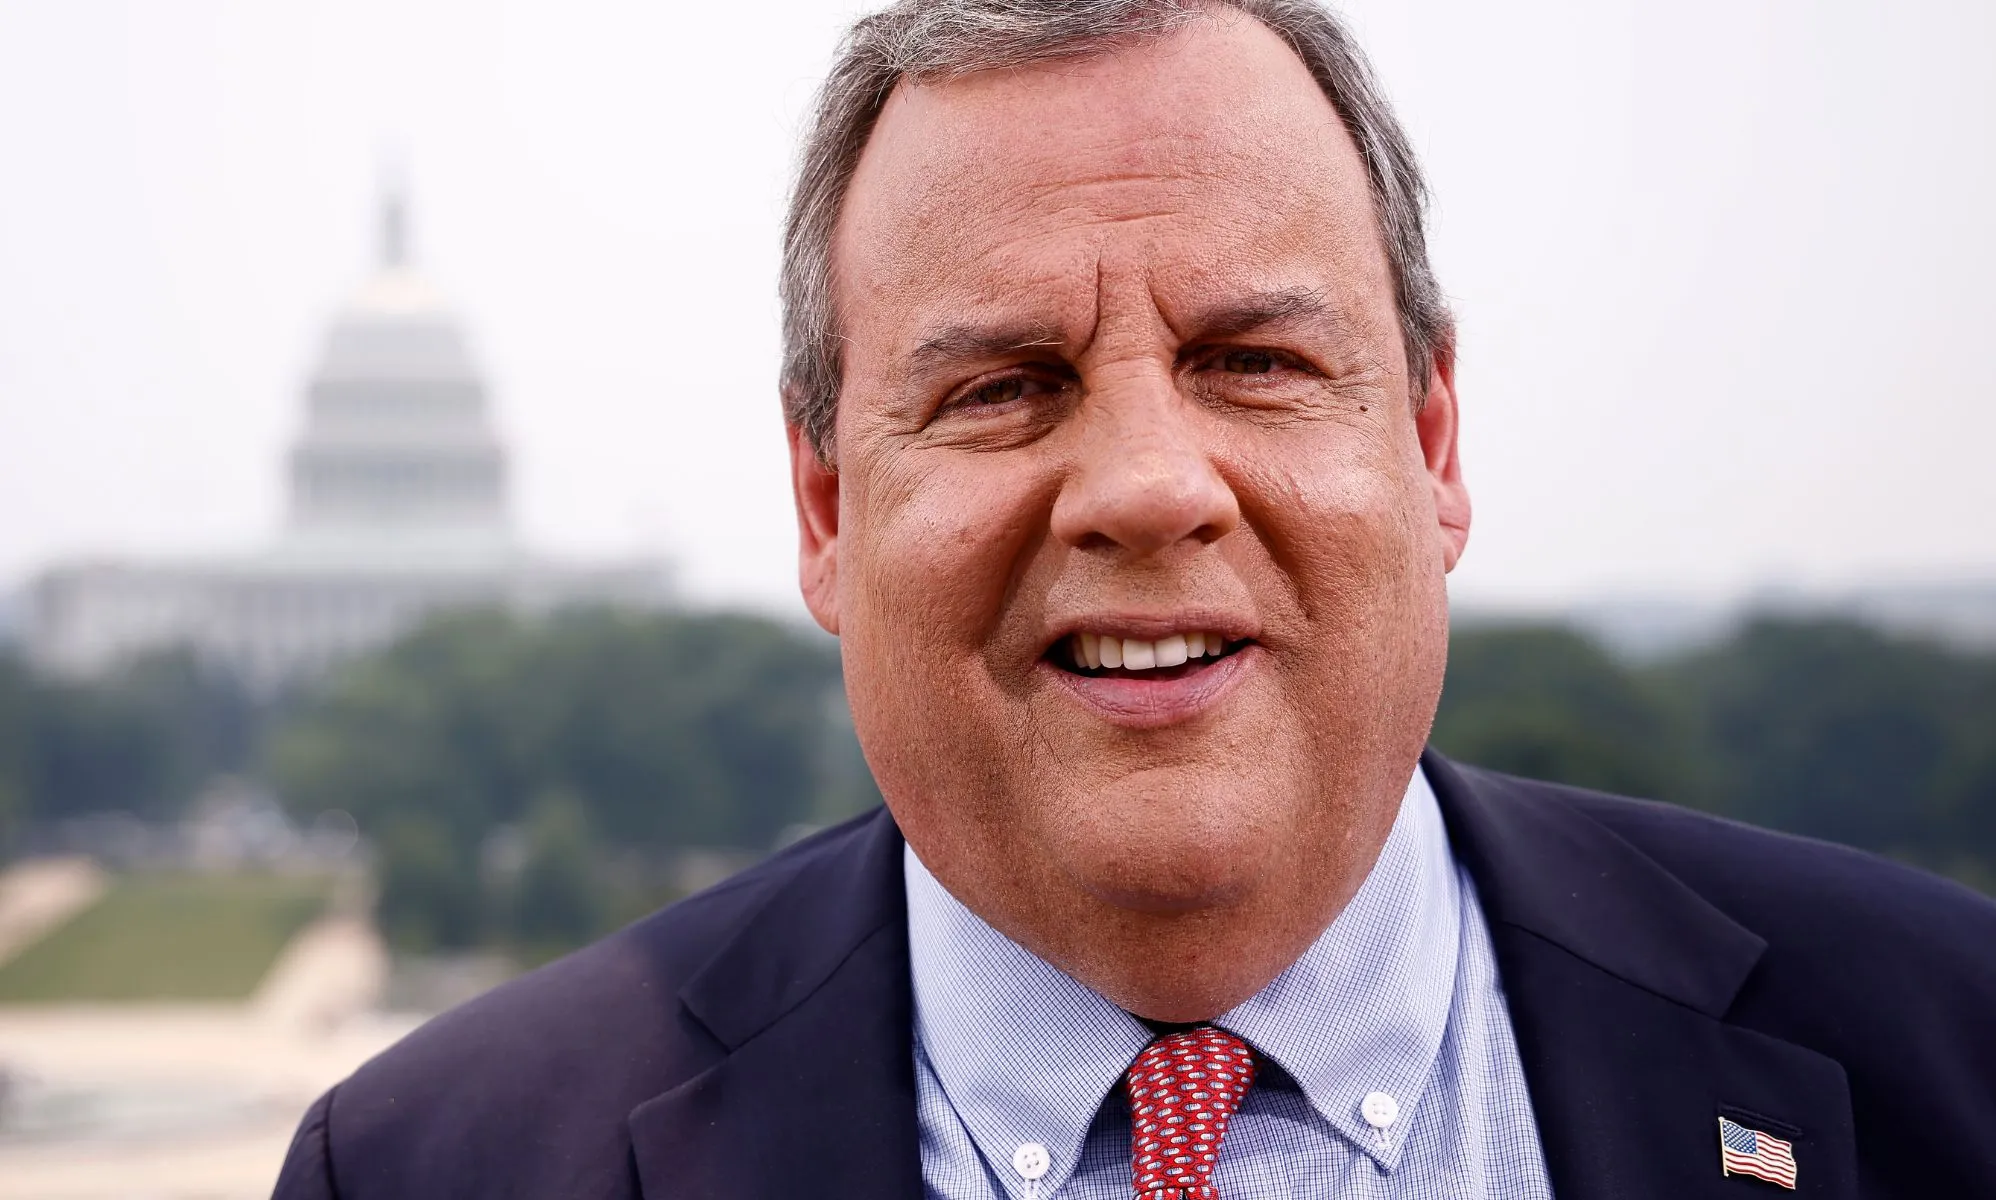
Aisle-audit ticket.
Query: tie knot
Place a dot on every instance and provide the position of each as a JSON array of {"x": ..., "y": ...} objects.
[{"x": 1183, "y": 1089}]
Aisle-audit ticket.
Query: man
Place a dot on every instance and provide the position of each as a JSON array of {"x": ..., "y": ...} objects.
[{"x": 1123, "y": 423}]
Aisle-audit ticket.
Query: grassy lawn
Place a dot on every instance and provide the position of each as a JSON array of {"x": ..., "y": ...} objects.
[{"x": 166, "y": 937}]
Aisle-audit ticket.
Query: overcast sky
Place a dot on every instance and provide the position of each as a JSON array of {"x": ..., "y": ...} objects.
[{"x": 1723, "y": 269}]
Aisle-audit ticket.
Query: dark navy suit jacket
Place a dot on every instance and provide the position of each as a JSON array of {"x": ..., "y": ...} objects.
[{"x": 1663, "y": 968}]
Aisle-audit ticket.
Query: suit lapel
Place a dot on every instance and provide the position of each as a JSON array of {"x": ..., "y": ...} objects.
[
  {"x": 816, "y": 1096},
  {"x": 1618, "y": 979}
]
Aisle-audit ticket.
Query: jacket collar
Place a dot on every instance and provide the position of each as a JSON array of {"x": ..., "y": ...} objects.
[
  {"x": 1545, "y": 868},
  {"x": 1365, "y": 1008},
  {"x": 811, "y": 1002},
  {"x": 1619, "y": 978},
  {"x": 1617, "y": 974}
]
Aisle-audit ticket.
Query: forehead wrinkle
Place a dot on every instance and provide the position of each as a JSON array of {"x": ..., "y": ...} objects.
[
  {"x": 1063, "y": 155},
  {"x": 1172, "y": 160},
  {"x": 1074, "y": 195},
  {"x": 1038, "y": 177},
  {"x": 1072, "y": 330}
]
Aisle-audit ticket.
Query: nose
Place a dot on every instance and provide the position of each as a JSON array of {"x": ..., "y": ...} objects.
[{"x": 1143, "y": 479}]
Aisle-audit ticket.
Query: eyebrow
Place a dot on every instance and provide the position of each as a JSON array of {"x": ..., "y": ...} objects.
[
  {"x": 1242, "y": 314},
  {"x": 1231, "y": 317},
  {"x": 955, "y": 343}
]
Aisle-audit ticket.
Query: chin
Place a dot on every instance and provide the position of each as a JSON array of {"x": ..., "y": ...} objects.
[
  {"x": 1145, "y": 847},
  {"x": 1168, "y": 893}
]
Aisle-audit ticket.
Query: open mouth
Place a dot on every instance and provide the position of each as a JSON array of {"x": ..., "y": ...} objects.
[{"x": 1177, "y": 656}]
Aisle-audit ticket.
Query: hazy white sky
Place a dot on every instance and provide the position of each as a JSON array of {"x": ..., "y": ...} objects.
[{"x": 1722, "y": 266}]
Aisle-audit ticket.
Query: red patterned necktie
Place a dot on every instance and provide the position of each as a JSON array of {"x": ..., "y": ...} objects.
[{"x": 1183, "y": 1090}]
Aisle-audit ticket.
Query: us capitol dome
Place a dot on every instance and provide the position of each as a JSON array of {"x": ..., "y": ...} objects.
[{"x": 398, "y": 509}]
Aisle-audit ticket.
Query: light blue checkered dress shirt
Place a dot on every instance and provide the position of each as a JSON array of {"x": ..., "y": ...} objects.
[{"x": 1400, "y": 995}]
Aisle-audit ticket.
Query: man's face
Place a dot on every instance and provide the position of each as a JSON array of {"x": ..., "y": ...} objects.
[{"x": 1123, "y": 369}]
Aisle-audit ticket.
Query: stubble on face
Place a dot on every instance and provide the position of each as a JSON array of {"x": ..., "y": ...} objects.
[{"x": 1053, "y": 421}]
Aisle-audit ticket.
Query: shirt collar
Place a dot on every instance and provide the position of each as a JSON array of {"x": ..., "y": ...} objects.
[{"x": 1025, "y": 1053}]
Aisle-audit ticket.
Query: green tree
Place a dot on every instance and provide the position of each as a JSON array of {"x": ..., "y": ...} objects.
[
  {"x": 560, "y": 898},
  {"x": 1546, "y": 702},
  {"x": 16, "y": 705},
  {"x": 1964, "y": 819},
  {"x": 429, "y": 728},
  {"x": 431, "y": 895},
  {"x": 1840, "y": 731},
  {"x": 685, "y": 730},
  {"x": 144, "y": 739},
  {"x": 681, "y": 730}
]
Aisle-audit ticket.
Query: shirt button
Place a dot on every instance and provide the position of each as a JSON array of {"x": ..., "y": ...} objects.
[
  {"x": 1030, "y": 1160},
  {"x": 1379, "y": 1110}
]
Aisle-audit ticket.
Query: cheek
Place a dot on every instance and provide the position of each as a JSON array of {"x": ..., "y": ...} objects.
[
  {"x": 1346, "y": 523},
  {"x": 931, "y": 550},
  {"x": 1341, "y": 515},
  {"x": 928, "y": 548}
]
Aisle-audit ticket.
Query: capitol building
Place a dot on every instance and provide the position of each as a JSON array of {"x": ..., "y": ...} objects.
[{"x": 398, "y": 509}]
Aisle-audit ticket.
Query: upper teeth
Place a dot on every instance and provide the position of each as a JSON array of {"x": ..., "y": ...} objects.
[{"x": 1094, "y": 650}]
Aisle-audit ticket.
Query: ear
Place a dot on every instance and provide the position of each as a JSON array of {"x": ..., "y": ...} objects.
[
  {"x": 1436, "y": 425},
  {"x": 815, "y": 487}
]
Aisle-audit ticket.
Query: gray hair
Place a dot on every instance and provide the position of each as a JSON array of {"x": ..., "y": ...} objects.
[{"x": 923, "y": 40}]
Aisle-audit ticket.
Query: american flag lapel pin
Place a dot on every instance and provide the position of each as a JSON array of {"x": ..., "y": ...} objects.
[{"x": 1744, "y": 1151}]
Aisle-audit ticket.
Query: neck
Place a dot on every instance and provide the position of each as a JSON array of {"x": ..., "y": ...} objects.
[{"x": 1184, "y": 965}]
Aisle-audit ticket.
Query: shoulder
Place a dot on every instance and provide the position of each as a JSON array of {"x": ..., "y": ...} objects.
[
  {"x": 554, "y": 1060},
  {"x": 1888, "y": 969},
  {"x": 1804, "y": 896}
]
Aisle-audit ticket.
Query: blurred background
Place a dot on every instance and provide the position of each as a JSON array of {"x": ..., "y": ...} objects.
[{"x": 396, "y": 559}]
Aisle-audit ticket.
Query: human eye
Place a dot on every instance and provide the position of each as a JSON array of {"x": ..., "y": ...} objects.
[
  {"x": 1255, "y": 377},
  {"x": 1000, "y": 393},
  {"x": 1247, "y": 362},
  {"x": 1250, "y": 361}
]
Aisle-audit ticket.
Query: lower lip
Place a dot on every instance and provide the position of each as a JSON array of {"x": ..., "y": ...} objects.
[{"x": 1156, "y": 703}]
